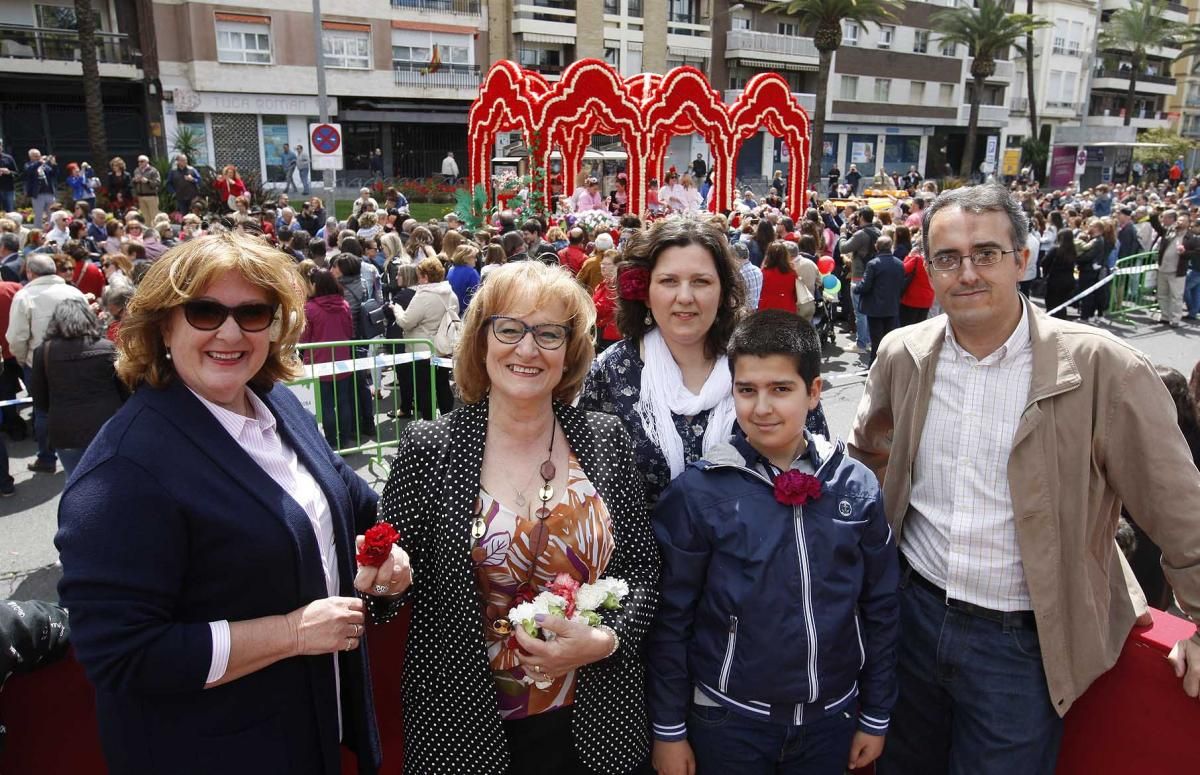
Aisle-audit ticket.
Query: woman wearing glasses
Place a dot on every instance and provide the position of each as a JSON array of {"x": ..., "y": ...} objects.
[
  {"x": 207, "y": 536},
  {"x": 492, "y": 502}
]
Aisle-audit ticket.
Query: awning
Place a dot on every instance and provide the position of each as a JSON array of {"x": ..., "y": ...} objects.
[
  {"x": 541, "y": 37},
  {"x": 777, "y": 65},
  {"x": 692, "y": 53}
]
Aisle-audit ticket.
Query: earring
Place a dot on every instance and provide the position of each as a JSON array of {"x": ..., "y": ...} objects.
[
  {"x": 168, "y": 355},
  {"x": 649, "y": 319}
]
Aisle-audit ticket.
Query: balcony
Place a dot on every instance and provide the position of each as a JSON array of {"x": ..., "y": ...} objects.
[
  {"x": 1005, "y": 70},
  {"x": 411, "y": 75},
  {"x": 989, "y": 115},
  {"x": 456, "y": 7},
  {"x": 1071, "y": 49},
  {"x": 562, "y": 11},
  {"x": 46, "y": 51},
  {"x": 1118, "y": 80},
  {"x": 769, "y": 47},
  {"x": 1018, "y": 105},
  {"x": 1145, "y": 120},
  {"x": 1059, "y": 108},
  {"x": 807, "y": 101}
]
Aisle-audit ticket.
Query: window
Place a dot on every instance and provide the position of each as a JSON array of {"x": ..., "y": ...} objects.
[
  {"x": 683, "y": 11},
  {"x": 412, "y": 50},
  {"x": 740, "y": 23},
  {"x": 242, "y": 43},
  {"x": 946, "y": 94},
  {"x": 850, "y": 34},
  {"x": 948, "y": 50},
  {"x": 787, "y": 28},
  {"x": 920, "y": 41},
  {"x": 195, "y": 122},
  {"x": 612, "y": 7},
  {"x": 883, "y": 89},
  {"x": 60, "y": 17},
  {"x": 633, "y": 8},
  {"x": 916, "y": 93},
  {"x": 887, "y": 34},
  {"x": 612, "y": 55},
  {"x": 411, "y": 57},
  {"x": 1075, "y": 39},
  {"x": 849, "y": 87},
  {"x": 633, "y": 60},
  {"x": 346, "y": 49}
]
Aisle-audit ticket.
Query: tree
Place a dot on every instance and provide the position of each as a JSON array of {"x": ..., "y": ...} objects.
[
  {"x": 988, "y": 30},
  {"x": 1030, "y": 53},
  {"x": 1135, "y": 29},
  {"x": 93, "y": 100},
  {"x": 823, "y": 20}
]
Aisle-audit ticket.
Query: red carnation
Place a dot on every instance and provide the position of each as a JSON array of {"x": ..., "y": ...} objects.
[
  {"x": 633, "y": 284},
  {"x": 795, "y": 488},
  {"x": 565, "y": 587},
  {"x": 377, "y": 544}
]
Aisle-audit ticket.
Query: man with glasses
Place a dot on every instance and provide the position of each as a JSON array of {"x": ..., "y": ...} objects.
[{"x": 1007, "y": 442}]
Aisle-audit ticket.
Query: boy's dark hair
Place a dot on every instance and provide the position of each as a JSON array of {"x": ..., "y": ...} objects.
[{"x": 776, "y": 332}]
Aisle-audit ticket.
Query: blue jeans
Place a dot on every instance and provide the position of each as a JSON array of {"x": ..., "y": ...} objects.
[
  {"x": 305, "y": 181},
  {"x": 70, "y": 458},
  {"x": 863, "y": 337},
  {"x": 5, "y": 476},
  {"x": 973, "y": 696},
  {"x": 725, "y": 743},
  {"x": 8, "y": 201},
  {"x": 337, "y": 412},
  {"x": 1191, "y": 293},
  {"x": 45, "y": 452}
]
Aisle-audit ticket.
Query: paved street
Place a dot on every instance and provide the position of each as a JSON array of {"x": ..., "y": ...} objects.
[{"x": 28, "y": 520}]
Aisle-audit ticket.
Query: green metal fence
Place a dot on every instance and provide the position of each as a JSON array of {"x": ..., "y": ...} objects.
[
  {"x": 360, "y": 392},
  {"x": 1134, "y": 286}
]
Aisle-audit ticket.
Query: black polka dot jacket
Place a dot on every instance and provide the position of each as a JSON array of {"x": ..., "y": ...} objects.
[{"x": 451, "y": 720}]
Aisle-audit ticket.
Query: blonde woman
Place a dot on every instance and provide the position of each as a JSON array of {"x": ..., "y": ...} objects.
[
  {"x": 420, "y": 244},
  {"x": 120, "y": 186}
]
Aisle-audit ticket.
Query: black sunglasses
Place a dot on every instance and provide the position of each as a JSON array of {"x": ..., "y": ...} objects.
[{"x": 206, "y": 315}]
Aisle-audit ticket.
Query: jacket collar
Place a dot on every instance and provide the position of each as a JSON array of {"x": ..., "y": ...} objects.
[
  {"x": 738, "y": 452},
  {"x": 46, "y": 279},
  {"x": 1054, "y": 369}
]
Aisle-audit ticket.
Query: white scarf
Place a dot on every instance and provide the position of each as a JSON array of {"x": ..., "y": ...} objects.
[{"x": 663, "y": 393}]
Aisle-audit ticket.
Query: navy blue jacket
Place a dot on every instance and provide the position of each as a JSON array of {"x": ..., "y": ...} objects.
[
  {"x": 784, "y": 612},
  {"x": 882, "y": 286},
  {"x": 34, "y": 183},
  {"x": 168, "y": 524}
]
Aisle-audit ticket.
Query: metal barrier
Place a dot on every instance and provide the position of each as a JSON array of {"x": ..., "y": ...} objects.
[
  {"x": 1134, "y": 286},
  {"x": 347, "y": 388}
]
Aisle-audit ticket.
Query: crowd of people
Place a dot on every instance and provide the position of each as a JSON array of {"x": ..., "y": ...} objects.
[{"x": 640, "y": 404}]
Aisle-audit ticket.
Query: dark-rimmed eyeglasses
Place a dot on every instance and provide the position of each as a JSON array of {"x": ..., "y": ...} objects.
[
  {"x": 207, "y": 315},
  {"x": 548, "y": 336},
  {"x": 948, "y": 262}
]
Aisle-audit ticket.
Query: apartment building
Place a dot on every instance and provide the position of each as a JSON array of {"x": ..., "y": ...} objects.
[
  {"x": 243, "y": 77},
  {"x": 42, "y": 92},
  {"x": 1184, "y": 107}
]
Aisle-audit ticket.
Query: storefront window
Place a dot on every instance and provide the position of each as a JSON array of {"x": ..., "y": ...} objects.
[
  {"x": 274, "y": 137},
  {"x": 900, "y": 153},
  {"x": 862, "y": 156},
  {"x": 360, "y": 139},
  {"x": 194, "y": 125}
]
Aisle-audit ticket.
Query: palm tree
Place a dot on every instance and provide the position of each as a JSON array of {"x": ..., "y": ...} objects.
[
  {"x": 988, "y": 30},
  {"x": 1135, "y": 29},
  {"x": 93, "y": 101},
  {"x": 823, "y": 20}
]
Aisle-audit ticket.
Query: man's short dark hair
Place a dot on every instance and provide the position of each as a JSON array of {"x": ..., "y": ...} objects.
[
  {"x": 776, "y": 332},
  {"x": 512, "y": 242},
  {"x": 533, "y": 225},
  {"x": 351, "y": 245},
  {"x": 316, "y": 249},
  {"x": 866, "y": 215},
  {"x": 808, "y": 244},
  {"x": 10, "y": 242},
  {"x": 980, "y": 199},
  {"x": 630, "y": 221},
  {"x": 348, "y": 264}
]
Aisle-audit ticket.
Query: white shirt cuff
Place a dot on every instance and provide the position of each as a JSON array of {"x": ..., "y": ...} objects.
[{"x": 220, "y": 651}]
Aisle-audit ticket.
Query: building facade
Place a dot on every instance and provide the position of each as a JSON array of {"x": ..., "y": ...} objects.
[
  {"x": 400, "y": 75},
  {"x": 1184, "y": 107}
]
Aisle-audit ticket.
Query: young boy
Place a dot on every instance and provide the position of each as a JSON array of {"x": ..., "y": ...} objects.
[{"x": 774, "y": 648}]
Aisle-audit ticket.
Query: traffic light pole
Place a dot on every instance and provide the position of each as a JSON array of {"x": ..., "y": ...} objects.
[{"x": 328, "y": 177}]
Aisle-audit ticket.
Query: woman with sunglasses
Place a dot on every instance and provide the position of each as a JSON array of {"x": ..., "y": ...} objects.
[
  {"x": 492, "y": 502},
  {"x": 207, "y": 536}
]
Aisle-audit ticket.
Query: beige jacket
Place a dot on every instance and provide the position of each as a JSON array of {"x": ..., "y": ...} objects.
[
  {"x": 425, "y": 311},
  {"x": 1099, "y": 429}
]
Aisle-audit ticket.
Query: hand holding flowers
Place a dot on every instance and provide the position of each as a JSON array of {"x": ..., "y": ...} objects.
[
  {"x": 566, "y": 618},
  {"x": 383, "y": 567}
]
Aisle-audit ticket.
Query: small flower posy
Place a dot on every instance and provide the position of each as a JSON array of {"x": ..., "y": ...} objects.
[
  {"x": 377, "y": 544},
  {"x": 796, "y": 488},
  {"x": 571, "y": 600},
  {"x": 633, "y": 284}
]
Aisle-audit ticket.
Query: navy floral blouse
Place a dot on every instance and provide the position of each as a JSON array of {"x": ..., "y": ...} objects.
[{"x": 612, "y": 386}]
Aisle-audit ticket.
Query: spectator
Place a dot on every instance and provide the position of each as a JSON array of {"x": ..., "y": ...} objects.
[
  {"x": 12, "y": 265},
  {"x": 328, "y": 319},
  {"x": 779, "y": 280},
  {"x": 82, "y": 183},
  {"x": 74, "y": 381},
  {"x": 183, "y": 181},
  {"x": 494, "y": 257},
  {"x": 117, "y": 268},
  {"x": 605, "y": 299},
  {"x": 40, "y": 180},
  {"x": 95, "y": 228},
  {"x": 113, "y": 303},
  {"x": 288, "y": 161},
  {"x": 572, "y": 256},
  {"x": 10, "y": 368},
  {"x": 535, "y": 246},
  {"x": 589, "y": 274},
  {"x": 699, "y": 167},
  {"x": 229, "y": 188},
  {"x": 587, "y": 197},
  {"x": 304, "y": 166},
  {"x": 136, "y": 231},
  {"x": 9, "y": 172},
  {"x": 463, "y": 277},
  {"x": 852, "y": 179},
  {"x": 87, "y": 277},
  {"x": 420, "y": 320},
  {"x": 449, "y": 167},
  {"x": 554, "y": 235},
  {"x": 120, "y": 186},
  {"x": 752, "y": 276},
  {"x": 809, "y": 276},
  {"x": 918, "y": 292},
  {"x": 364, "y": 202},
  {"x": 880, "y": 291},
  {"x": 58, "y": 235},
  {"x": 32, "y": 308},
  {"x": 146, "y": 184}
]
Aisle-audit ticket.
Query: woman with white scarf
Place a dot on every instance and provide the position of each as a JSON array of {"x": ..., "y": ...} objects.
[{"x": 679, "y": 297}]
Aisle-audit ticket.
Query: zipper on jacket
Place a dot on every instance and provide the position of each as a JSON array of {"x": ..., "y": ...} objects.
[
  {"x": 727, "y": 663},
  {"x": 862, "y": 652},
  {"x": 806, "y": 590}
]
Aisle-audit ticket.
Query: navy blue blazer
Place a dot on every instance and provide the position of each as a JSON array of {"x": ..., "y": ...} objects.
[
  {"x": 168, "y": 524},
  {"x": 882, "y": 286}
]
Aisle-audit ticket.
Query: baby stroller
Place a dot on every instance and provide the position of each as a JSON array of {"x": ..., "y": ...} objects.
[{"x": 823, "y": 314}]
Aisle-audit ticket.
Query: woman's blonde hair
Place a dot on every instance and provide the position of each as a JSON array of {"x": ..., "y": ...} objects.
[
  {"x": 184, "y": 273},
  {"x": 431, "y": 269},
  {"x": 525, "y": 286},
  {"x": 451, "y": 242},
  {"x": 465, "y": 255},
  {"x": 117, "y": 161},
  {"x": 392, "y": 245}
]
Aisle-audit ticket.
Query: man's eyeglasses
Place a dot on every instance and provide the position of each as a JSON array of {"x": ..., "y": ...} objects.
[
  {"x": 207, "y": 315},
  {"x": 949, "y": 262},
  {"x": 548, "y": 336}
]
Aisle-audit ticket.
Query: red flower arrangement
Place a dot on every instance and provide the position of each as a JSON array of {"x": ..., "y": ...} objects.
[
  {"x": 377, "y": 544},
  {"x": 633, "y": 284},
  {"x": 796, "y": 488},
  {"x": 565, "y": 587}
]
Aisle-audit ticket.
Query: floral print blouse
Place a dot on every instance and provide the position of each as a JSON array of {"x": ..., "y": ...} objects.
[
  {"x": 580, "y": 544},
  {"x": 613, "y": 386}
]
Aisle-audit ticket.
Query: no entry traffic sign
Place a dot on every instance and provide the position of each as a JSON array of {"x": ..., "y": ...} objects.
[{"x": 326, "y": 146}]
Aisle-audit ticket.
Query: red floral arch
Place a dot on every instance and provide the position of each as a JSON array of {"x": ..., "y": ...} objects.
[{"x": 645, "y": 111}]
